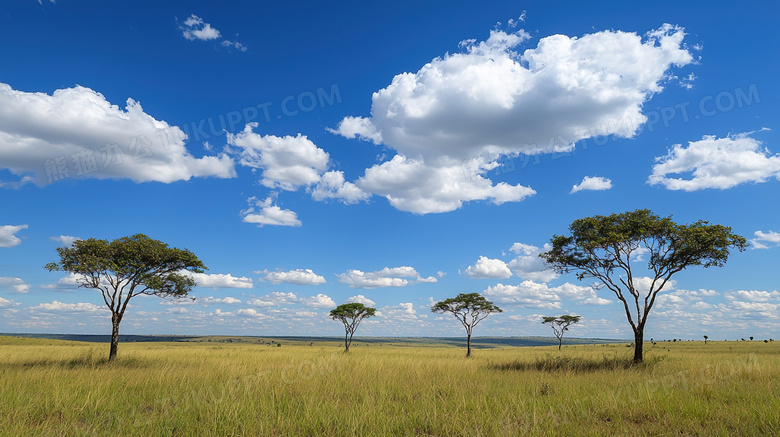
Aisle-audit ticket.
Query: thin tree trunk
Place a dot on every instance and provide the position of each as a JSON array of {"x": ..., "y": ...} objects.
[
  {"x": 468, "y": 345},
  {"x": 639, "y": 338},
  {"x": 346, "y": 342},
  {"x": 115, "y": 319},
  {"x": 560, "y": 341}
]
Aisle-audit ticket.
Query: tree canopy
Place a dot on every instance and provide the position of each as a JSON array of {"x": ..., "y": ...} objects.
[
  {"x": 351, "y": 314},
  {"x": 127, "y": 267},
  {"x": 469, "y": 309},
  {"x": 604, "y": 248}
]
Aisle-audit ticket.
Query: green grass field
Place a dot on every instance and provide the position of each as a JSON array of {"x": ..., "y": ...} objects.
[{"x": 54, "y": 387}]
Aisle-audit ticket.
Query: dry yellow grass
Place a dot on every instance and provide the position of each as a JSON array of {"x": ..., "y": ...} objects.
[{"x": 65, "y": 388}]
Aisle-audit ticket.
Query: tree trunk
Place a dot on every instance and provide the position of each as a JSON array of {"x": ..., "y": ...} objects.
[
  {"x": 468, "y": 345},
  {"x": 560, "y": 341},
  {"x": 639, "y": 339},
  {"x": 115, "y": 319},
  {"x": 346, "y": 342}
]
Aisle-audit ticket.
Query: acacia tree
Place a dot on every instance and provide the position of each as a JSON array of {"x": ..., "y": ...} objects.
[
  {"x": 469, "y": 309},
  {"x": 560, "y": 325},
  {"x": 705, "y": 339},
  {"x": 128, "y": 267},
  {"x": 351, "y": 314},
  {"x": 604, "y": 247}
]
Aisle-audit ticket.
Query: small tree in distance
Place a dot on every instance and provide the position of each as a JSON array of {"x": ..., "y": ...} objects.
[
  {"x": 469, "y": 309},
  {"x": 604, "y": 248},
  {"x": 705, "y": 339},
  {"x": 560, "y": 325},
  {"x": 125, "y": 268},
  {"x": 351, "y": 314}
]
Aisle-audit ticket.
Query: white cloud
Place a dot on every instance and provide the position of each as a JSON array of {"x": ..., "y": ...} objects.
[
  {"x": 67, "y": 307},
  {"x": 269, "y": 214},
  {"x": 227, "y": 300},
  {"x": 362, "y": 299},
  {"x": 220, "y": 280},
  {"x": 755, "y": 295},
  {"x": 65, "y": 239},
  {"x": 435, "y": 186},
  {"x": 764, "y": 240},
  {"x": 6, "y": 303},
  {"x": 592, "y": 183},
  {"x": 299, "y": 276},
  {"x": 77, "y": 133},
  {"x": 642, "y": 285},
  {"x": 194, "y": 28},
  {"x": 66, "y": 283},
  {"x": 7, "y": 237},
  {"x": 177, "y": 310},
  {"x": 487, "y": 268},
  {"x": 752, "y": 304},
  {"x": 494, "y": 100},
  {"x": 16, "y": 284},
  {"x": 333, "y": 186},
  {"x": 403, "y": 312},
  {"x": 289, "y": 163},
  {"x": 318, "y": 301},
  {"x": 530, "y": 294},
  {"x": 716, "y": 163},
  {"x": 249, "y": 312},
  {"x": 528, "y": 265},
  {"x": 387, "y": 277},
  {"x": 286, "y": 162},
  {"x": 274, "y": 299},
  {"x": 358, "y": 127},
  {"x": 235, "y": 44}
]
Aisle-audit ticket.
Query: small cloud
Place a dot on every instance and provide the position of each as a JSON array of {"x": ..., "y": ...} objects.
[
  {"x": 487, "y": 268},
  {"x": 318, "y": 301},
  {"x": 194, "y": 28},
  {"x": 57, "y": 306},
  {"x": 226, "y": 300},
  {"x": 765, "y": 240},
  {"x": 269, "y": 214},
  {"x": 273, "y": 299},
  {"x": 299, "y": 277},
  {"x": 234, "y": 44},
  {"x": 65, "y": 240},
  {"x": 361, "y": 299},
  {"x": 387, "y": 277},
  {"x": 7, "y": 237},
  {"x": 592, "y": 184},
  {"x": 358, "y": 127},
  {"x": 5, "y": 303},
  {"x": 16, "y": 284},
  {"x": 220, "y": 280}
]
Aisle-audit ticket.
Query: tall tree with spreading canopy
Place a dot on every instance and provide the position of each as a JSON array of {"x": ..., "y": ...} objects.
[
  {"x": 604, "y": 247},
  {"x": 469, "y": 309},
  {"x": 560, "y": 325},
  {"x": 351, "y": 314},
  {"x": 128, "y": 267}
]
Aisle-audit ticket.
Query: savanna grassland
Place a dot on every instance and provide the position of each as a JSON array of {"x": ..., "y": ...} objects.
[{"x": 54, "y": 387}]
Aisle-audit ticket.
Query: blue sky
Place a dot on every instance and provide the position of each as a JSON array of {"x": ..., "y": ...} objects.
[{"x": 394, "y": 154}]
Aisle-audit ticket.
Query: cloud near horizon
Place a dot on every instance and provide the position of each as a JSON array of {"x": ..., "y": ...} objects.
[{"x": 387, "y": 277}]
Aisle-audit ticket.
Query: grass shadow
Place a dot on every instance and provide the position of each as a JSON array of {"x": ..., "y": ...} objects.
[
  {"x": 550, "y": 363},
  {"x": 87, "y": 360}
]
